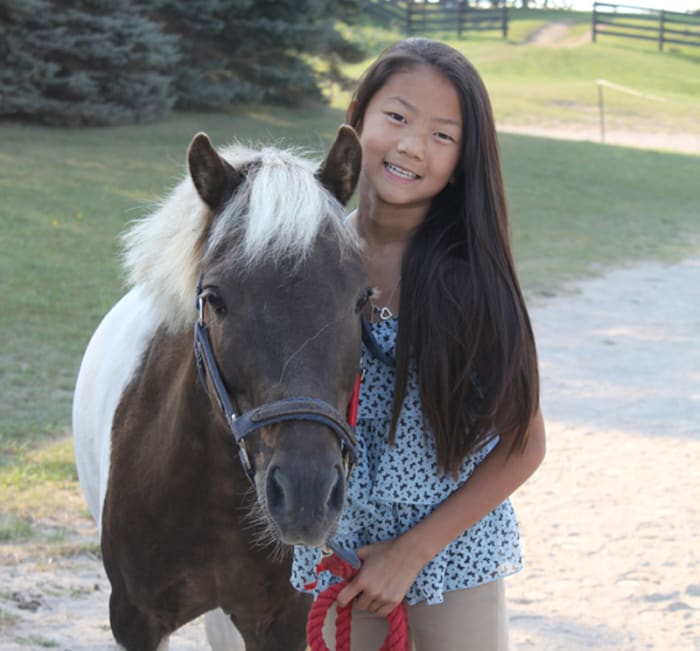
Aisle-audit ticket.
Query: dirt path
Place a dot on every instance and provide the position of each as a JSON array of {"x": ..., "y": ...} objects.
[
  {"x": 610, "y": 523},
  {"x": 549, "y": 34},
  {"x": 557, "y": 34},
  {"x": 62, "y": 602}
]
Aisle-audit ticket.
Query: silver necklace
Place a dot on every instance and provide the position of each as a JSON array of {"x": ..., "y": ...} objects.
[{"x": 385, "y": 312}]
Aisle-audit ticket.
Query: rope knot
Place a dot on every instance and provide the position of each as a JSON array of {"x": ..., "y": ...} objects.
[{"x": 337, "y": 567}]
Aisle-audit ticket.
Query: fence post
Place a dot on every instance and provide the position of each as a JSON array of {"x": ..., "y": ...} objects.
[
  {"x": 662, "y": 16},
  {"x": 601, "y": 111},
  {"x": 409, "y": 17},
  {"x": 594, "y": 21},
  {"x": 460, "y": 17},
  {"x": 504, "y": 21}
]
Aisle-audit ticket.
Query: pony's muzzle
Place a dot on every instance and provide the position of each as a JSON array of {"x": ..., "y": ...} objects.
[{"x": 306, "y": 503}]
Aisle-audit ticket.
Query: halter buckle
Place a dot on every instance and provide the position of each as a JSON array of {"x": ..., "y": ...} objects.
[
  {"x": 243, "y": 451},
  {"x": 200, "y": 309}
]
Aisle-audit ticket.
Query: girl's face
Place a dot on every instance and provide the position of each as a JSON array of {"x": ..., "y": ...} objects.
[{"x": 411, "y": 137}]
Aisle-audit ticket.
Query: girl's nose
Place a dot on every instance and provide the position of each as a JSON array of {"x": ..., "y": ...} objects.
[{"x": 412, "y": 145}]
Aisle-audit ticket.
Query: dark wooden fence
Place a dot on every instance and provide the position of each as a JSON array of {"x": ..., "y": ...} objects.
[
  {"x": 447, "y": 15},
  {"x": 656, "y": 25}
]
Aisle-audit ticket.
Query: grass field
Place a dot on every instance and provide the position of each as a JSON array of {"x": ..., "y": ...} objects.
[
  {"x": 554, "y": 83},
  {"x": 67, "y": 194}
]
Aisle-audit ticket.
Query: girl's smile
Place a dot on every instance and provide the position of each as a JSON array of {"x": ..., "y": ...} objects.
[{"x": 403, "y": 174}]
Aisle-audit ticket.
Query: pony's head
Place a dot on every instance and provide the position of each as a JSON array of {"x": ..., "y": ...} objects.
[{"x": 282, "y": 286}]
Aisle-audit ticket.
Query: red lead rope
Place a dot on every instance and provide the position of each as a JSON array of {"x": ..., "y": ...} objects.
[{"x": 397, "y": 638}]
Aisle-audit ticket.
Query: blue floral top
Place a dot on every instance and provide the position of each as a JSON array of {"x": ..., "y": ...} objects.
[{"x": 393, "y": 487}]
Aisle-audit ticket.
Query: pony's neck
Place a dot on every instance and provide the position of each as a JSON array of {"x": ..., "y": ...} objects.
[{"x": 191, "y": 437}]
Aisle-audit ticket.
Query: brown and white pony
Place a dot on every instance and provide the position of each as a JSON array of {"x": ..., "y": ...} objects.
[{"x": 250, "y": 251}]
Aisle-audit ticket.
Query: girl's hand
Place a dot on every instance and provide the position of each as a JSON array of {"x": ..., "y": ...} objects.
[{"x": 386, "y": 574}]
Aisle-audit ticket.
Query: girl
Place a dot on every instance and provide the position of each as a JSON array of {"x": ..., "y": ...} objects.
[{"x": 449, "y": 420}]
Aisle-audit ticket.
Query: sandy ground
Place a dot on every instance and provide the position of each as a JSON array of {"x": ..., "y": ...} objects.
[{"x": 610, "y": 523}]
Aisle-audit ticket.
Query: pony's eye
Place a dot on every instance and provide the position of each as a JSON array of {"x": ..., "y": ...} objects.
[
  {"x": 362, "y": 301},
  {"x": 215, "y": 301}
]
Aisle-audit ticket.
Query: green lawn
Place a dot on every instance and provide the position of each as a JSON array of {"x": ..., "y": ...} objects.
[
  {"x": 576, "y": 208},
  {"x": 556, "y": 85}
]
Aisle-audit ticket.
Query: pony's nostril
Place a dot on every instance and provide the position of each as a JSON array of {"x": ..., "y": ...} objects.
[
  {"x": 337, "y": 494},
  {"x": 275, "y": 490}
]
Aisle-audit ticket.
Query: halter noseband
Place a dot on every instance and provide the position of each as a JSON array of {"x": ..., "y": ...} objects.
[{"x": 299, "y": 408}]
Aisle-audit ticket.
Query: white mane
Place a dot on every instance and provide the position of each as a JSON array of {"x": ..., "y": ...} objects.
[{"x": 278, "y": 211}]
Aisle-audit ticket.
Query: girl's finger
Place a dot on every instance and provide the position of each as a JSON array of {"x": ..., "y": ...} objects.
[
  {"x": 347, "y": 594},
  {"x": 365, "y": 602},
  {"x": 362, "y": 552},
  {"x": 386, "y": 610}
]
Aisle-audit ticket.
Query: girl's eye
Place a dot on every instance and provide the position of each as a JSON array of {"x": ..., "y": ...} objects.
[
  {"x": 440, "y": 135},
  {"x": 397, "y": 117}
]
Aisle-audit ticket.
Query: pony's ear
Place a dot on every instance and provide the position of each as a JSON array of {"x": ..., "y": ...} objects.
[
  {"x": 214, "y": 178},
  {"x": 341, "y": 169}
]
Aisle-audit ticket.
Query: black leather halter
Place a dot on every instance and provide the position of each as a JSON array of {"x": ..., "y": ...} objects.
[{"x": 241, "y": 425}]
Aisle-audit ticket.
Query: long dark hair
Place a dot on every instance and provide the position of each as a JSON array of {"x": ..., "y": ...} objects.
[{"x": 463, "y": 319}]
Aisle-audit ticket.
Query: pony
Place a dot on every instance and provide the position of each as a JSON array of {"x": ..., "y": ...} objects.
[{"x": 203, "y": 457}]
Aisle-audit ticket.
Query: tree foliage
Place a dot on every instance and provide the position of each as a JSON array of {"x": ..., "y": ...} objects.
[
  {"x": 104, "y": 62},
  {"x": 84, "y": 62},
  {"x": 252, "y": 50}
]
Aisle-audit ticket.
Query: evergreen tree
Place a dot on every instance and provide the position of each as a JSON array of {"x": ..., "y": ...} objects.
[
  {"x": 103, "y": 62},
  {"x": 85, "y": 62},
  {"x": 252, "y": 50}
]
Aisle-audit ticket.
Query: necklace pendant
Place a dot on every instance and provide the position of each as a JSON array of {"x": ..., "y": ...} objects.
[{"x": 385, "y": 313}]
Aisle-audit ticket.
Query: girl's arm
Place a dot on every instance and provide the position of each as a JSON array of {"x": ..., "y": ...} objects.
[{"x": 389, "y": 568}]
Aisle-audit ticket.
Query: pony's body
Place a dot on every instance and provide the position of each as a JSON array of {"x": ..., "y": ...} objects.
[{"x": 158, "y": 465}]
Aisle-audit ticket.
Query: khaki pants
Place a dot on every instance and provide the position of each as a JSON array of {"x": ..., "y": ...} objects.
[{"x": 474, "y": 619}]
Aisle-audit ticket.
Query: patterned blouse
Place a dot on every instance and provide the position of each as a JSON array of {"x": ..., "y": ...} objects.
[{"x": 393, "y": 487}]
